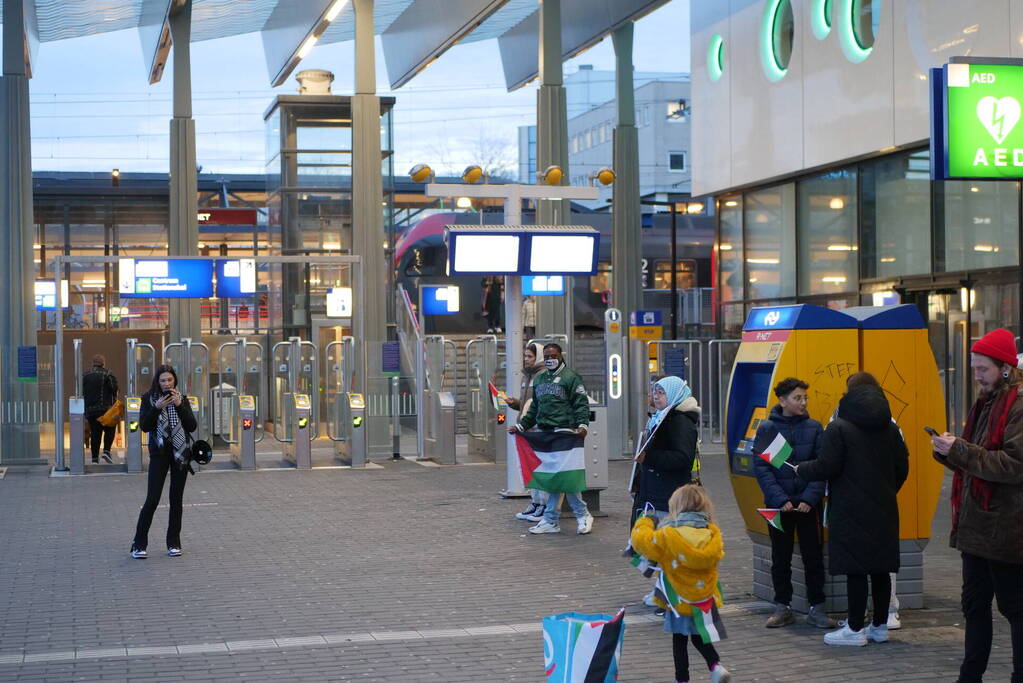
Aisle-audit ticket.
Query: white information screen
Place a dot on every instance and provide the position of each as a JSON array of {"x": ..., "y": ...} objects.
[
  {"x": 491, "y": 254},
  {"x": 561, "y": 253}
]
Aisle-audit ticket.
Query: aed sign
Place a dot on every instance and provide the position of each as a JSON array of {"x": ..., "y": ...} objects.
[{"x": 976, "y": 128}]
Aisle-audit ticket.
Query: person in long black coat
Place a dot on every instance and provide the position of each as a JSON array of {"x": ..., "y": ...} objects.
[{"x": 865, "y": 461}]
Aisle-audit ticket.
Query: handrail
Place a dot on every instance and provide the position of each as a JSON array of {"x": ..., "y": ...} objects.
[{"x": 712, "y": 345}]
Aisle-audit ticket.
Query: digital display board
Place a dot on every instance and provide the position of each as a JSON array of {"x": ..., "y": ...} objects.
[
  {"x": 976, "y": 128},
  {"x": 181, "y": 278},
  {"x": 236, "y": 278},
  {"x": 490, "y": 254},
  {"x": 565, "y": 253},
  {"x": 543, "y": 285},
  {"x": 440, "y": 300},
  {"x": 46, "y": 295},
  {"x": 339, "y": 302}
]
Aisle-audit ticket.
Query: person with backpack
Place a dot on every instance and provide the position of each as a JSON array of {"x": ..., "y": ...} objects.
[{"x": 99, "y": 389}]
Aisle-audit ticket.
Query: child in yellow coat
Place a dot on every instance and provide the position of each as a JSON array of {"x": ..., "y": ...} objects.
[{"x": 687, "y": 546}]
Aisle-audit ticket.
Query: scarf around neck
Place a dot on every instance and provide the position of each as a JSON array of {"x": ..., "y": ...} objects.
[{"x": 168, "y": 424}]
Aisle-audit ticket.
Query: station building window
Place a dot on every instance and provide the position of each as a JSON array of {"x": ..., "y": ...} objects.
[
  {"x": 866, "y": 18},
  {"x": 770, "y": 235},
  {"x": 677, "y": 161},
  {"x": 896, "y": 216},
  {"x": 729, "y": 256},
  {"x": 827, "y": 234},
  {"x": 981, "y": 225}
]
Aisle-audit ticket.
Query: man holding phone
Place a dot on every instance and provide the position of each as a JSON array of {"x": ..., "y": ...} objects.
[{"x": 987, "y": 501}]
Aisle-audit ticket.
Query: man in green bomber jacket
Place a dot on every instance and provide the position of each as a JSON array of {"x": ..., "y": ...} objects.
[{"x": 559, "y": 402}]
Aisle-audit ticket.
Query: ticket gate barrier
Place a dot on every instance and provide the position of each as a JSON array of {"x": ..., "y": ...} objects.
[
  {"x": 191, "y": 361},
  {"x": 133, "y": 434},
  {"x": 349, "y": 433},
  {"x": 243, "y": 432},
  {"x": 823, "y": 347},
  {"x": 241, "y": 374},
  {"x": 141, "y": 363},
  {"x": 76, "y": 413},
  {"x": 298, "y": 449},
  {"x": 295, "y": 369},
  {"x": 481, "y": 367}
]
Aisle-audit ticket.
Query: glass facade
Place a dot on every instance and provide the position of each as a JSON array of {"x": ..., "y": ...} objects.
[
  {"x": 729, "y": 253},
  {"x": 827, "y": 233},
  {"x": 769, "y": 226},
  {"x": 896, "y": 214},
  {"x": 981, "y": 225}
]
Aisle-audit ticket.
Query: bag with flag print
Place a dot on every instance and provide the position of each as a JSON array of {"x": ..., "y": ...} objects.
[{"x": 583, "y": 648}]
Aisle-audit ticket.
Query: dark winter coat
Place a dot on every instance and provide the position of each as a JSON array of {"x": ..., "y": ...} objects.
[
  {"x": 865, "y": 462},
  {"x": 99, "y": 389},
  {"x": 668, "y": 463},
  {"x": 781, "y": 485},
  {"x": 149, "y": 419},
  {"x": 995, "y": 533}
]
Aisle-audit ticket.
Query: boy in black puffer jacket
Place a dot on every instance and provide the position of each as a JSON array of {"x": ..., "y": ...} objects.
[{"x": 798, "y": 501}]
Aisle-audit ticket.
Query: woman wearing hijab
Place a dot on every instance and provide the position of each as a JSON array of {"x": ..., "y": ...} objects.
[
  {"x": 532, "y": 363},
  {"x": 167, "y": 417},
  {"x": 666, "y": 463}
]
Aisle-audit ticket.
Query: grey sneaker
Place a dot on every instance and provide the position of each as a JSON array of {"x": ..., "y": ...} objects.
[
  {"x": 819, "y": 618},
  {"x": 782, "y": 617}
]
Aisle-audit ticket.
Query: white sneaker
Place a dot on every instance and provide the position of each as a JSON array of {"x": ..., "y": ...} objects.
[
  {"x": 585, "y": 524},
  {"x": 894, "y": 624},
  {"x": 529, "y": 514},
  {"x": 545, "y": 527},
  {"x": 648, "y": 599},
  {"x": 174, "y": 552},
  {"x": 846, "y": 636},
  {"x": 719, "y": 674},
  {"x": 138, "y": 554},
  {"x": 879, "y": 634}
]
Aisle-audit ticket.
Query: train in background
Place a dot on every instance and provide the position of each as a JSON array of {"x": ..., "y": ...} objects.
[{"x": 421, "y": 258}]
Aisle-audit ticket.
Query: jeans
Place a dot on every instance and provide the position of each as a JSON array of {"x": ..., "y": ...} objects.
[
  {"x": 95, "y": 431},
  {"x": 575, "y": 501},
  {"x": 856, "y": 587},
  {"x": 984, "y": 580},
  {"x": 808, "y": 527},
  {"x": 159, "y": 465},
  {"x": 538, "y": 497}
]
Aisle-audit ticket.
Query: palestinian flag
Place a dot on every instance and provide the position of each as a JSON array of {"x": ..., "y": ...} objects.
[
  {"x": 777, "y": 452},
  {"x": 773, "y": 517},
  {"x": 493, "y": 394},
  {"x": 552, "y": 461},
  {"x": 708, "y": 621},
  {"x": 666, "y": 592},
  {"x": 583, "y": 648}
]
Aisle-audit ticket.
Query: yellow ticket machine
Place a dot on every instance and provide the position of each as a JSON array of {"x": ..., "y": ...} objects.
[{"x": 823, "y": 347}]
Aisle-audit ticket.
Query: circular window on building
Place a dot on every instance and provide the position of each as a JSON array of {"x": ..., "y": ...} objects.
[
  {"x": 716, "y": 58},
  {"x": 776, "y": 36},
  {"x": 820, "y": 18},
  {"x": 861, "y": 21}
]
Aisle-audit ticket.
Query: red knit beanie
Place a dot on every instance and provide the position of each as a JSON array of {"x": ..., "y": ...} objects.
[{"x": 999, "y": 344}]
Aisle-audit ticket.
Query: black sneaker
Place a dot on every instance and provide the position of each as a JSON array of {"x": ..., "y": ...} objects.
[
  {"x": 107, "y": 458},
  {"x": 95, "y": 460},
  {"x": 529, "y": 514},
  {"x": 174, "y": 551}
]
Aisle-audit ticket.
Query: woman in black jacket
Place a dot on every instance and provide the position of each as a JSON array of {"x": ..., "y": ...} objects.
[
  {"x": 167, "y": 417},
  {"x": 667, "y": 461},
  {"x": 865, "y": 462}
]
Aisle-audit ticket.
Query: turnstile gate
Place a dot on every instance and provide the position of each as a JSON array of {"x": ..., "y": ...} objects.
[
  {"x": 345, "y": 412},
  {"x": 295, "y": 398},
  {"x": 191, "y": 362},
  {"x": 483, "y": 367},
  {"x": 237, "y": 400}
]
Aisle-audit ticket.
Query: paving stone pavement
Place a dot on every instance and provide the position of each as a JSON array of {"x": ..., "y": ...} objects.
[{"x": 401, "y": 573}]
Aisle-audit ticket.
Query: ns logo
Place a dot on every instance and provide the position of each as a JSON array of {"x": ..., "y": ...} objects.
[{"x": 772, "y": 318}]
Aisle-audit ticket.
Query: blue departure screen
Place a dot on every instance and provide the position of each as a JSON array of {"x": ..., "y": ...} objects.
[
  {"x": 165, "y": 278},
  {"x": 236, "y": 278},
  {"x": 440, "y": 300}
]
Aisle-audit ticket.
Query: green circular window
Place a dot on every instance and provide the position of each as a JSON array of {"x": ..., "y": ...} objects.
[
  {"x": 859, "y": 26},
  {"x": 777, "y": 31},
  {"x": 716, "y": 58},
  {"x": 820, "y": 18}
]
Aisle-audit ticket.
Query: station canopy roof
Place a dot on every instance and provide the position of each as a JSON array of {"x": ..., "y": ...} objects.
[{"x": 414, "y": 32}]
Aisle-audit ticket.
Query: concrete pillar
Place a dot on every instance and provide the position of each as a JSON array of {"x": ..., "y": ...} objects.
[
  {"x": 553, "y": 313},
  {"x": 626, "y": 230},
  {"x": 367, "y": 211},
  {"x": 19, "y": 434},
  {"x": 182, "y": 229}
]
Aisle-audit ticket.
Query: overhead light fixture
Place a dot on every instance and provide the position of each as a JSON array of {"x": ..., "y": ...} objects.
[
  {"x": 731, "y": 202},
  {"x": 332, "y": 246},
  {"x": 985, "y": 248},
  {"x": 307, "y": 46},
  {"x": 837, "y": 203},
  {"x": 552, "y": 175},
  {"x": 763, "y": 261},
  {"x": 318, "y": 24},
  {"x": 115, "y": 177},
  {"x": 472, "y": 174},
  {"x": 604, "y": 176},
  {"x": 420, "y": 173},
  {"x": 463, "y": 203},
  {"x": 694, "y": 207},
  {"x": 974, "y": 188},
  {"x": 335, "y": 10},
  {"x": 725, "y": 247},
  {"x": 887, "y": 259},
  {"x": 842, "y": 247},
  {"x": 834, "y": 279}
]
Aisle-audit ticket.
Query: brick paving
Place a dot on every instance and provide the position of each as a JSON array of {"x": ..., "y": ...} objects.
[{"x": 397, "y": 573}]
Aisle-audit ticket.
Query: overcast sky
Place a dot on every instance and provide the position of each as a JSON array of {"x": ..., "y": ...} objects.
[{"x": 92, "y": 109}]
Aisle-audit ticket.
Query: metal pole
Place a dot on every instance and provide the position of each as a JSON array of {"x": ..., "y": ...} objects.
[
  {"x": 514, "y": 343},
  {"x": 674, "y": 282},
  {"x": 58, "y": 374}
]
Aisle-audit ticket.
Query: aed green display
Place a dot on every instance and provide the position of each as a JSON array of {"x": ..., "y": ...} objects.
[{"x": 983, "y": 128}]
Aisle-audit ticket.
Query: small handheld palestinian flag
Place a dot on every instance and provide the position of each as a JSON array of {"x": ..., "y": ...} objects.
[
  {"x": 777, "y": 453},
  {"x": 493, "y": 394},
  {"x": 707, "y": 620},
  {"x": 773, "y": 517}
]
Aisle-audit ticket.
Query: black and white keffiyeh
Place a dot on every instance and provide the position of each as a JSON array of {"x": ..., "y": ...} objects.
[{"x": 169, "y": 426}]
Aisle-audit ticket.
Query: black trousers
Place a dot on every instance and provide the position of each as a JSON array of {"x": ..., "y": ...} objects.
[
  {"x": 808, "y": 527},
  {"x": 681, "y": 653},
  {"x": 856, "y": 586},
  {"x": 984, "y": 580},
  {"x": 95, "y": 431},
  {"x": 159, "y": 465}
]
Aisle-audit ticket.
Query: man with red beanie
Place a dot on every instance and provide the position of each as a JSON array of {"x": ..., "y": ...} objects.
[{"x": 987, "y": 502}]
